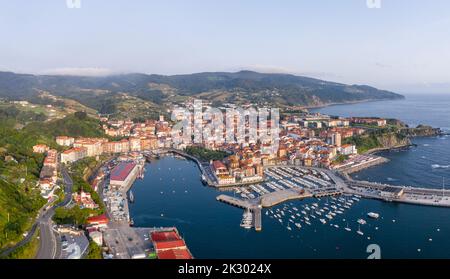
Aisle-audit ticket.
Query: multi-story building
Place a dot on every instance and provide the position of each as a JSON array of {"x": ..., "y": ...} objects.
[
  {"x": 65, "y": 141},
  {"x": 40, "y": 148},
  {"x": 92, "y": 145},
  {"x": 73, "y": 155}
]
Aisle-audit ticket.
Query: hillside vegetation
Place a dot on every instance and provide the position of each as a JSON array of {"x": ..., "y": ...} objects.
[
  {"x": 158, "y": 92},
  {"x": 20, "y": 167}
]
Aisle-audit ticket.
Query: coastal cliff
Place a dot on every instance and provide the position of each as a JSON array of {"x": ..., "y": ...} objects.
[
  {"x": 398, "y": 135},
  {"x": 376, "y": 142},
  {"x": 421, "y": 131}
]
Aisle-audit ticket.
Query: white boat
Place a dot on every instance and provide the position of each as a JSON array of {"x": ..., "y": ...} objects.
[
  {"x": 306, "y": 218},
  {"x": 347, "y": 228},
  {"x": 308, "y": 223},
  {"x": 247, "y": 220},
  {"x": 336, "y": 226},
  {"x": 304, "y": 212},
  {"x": 329, "y": 216},
  {"x": 323, "y": 221},
  {"x": 289, "y": 228},
  {"x": 298, "y": 225},
  {"x": 373, "y": 215},
  {"x": 359, "y": 231}
]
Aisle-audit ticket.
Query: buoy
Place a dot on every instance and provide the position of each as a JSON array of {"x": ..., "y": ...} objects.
[{"x": 418, "y": 250}]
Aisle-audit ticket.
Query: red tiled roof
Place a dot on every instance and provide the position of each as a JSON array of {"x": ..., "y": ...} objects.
[
  {"x": 218, "y": 165},
  {"x": 165, "y": 236},
  {"x": 175, "y": 254},
  {"x": 97, "y": 219},
  {"x": 164, "y": 245},
  {"x": 121, "y": 171}
]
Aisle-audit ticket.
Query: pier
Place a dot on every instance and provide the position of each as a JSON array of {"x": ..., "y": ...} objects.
[
  {"x": 277, "y": 197},
  {"x": 252, "y": 206},
  {"x": 244, "y": 204},
  {"x": 267, "y": 200}
]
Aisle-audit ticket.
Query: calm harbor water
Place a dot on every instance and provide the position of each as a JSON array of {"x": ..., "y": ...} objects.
[{"x": 171, "y": 194}]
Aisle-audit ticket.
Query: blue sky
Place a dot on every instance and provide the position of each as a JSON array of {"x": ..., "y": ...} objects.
[{"x": 403, "y": 46}]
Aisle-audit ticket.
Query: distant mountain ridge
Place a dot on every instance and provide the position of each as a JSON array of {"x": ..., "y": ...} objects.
[{"x": 219, "y": 87}]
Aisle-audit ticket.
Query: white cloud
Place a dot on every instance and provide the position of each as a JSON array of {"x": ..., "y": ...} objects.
[{"x": 93, "y": 72}]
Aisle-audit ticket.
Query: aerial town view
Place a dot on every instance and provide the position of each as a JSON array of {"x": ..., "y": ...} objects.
[{"x": 211, "y": 137}]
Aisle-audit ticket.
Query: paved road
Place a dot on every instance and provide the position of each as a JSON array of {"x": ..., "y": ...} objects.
[
  {"x": 21, "y": 243},
  {"x": 49, "y": 244}
]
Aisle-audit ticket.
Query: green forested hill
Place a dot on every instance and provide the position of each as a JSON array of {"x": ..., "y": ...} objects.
[
  {"x": 102, "y": 93},
  {"x": 20, "y": 167}
]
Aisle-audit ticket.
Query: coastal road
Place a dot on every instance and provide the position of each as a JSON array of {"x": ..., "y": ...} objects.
[
  {"x": 21, "y": 243},
  {"x": 49, "y": 243}
]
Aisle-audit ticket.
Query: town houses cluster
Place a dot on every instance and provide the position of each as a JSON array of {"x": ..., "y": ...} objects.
[
  {"x": 311, "y": 140},
  {"x": 49, "y": 172},
  {"x": 306, "y": 139}
]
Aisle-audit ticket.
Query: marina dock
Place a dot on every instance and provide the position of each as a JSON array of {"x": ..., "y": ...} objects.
[
  {"x": 252, "y": 206},
  {"x": 275, "y": 198}
]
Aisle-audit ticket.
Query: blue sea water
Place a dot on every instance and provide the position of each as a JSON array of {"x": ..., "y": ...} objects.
[{"x": 171, "y": 194}]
